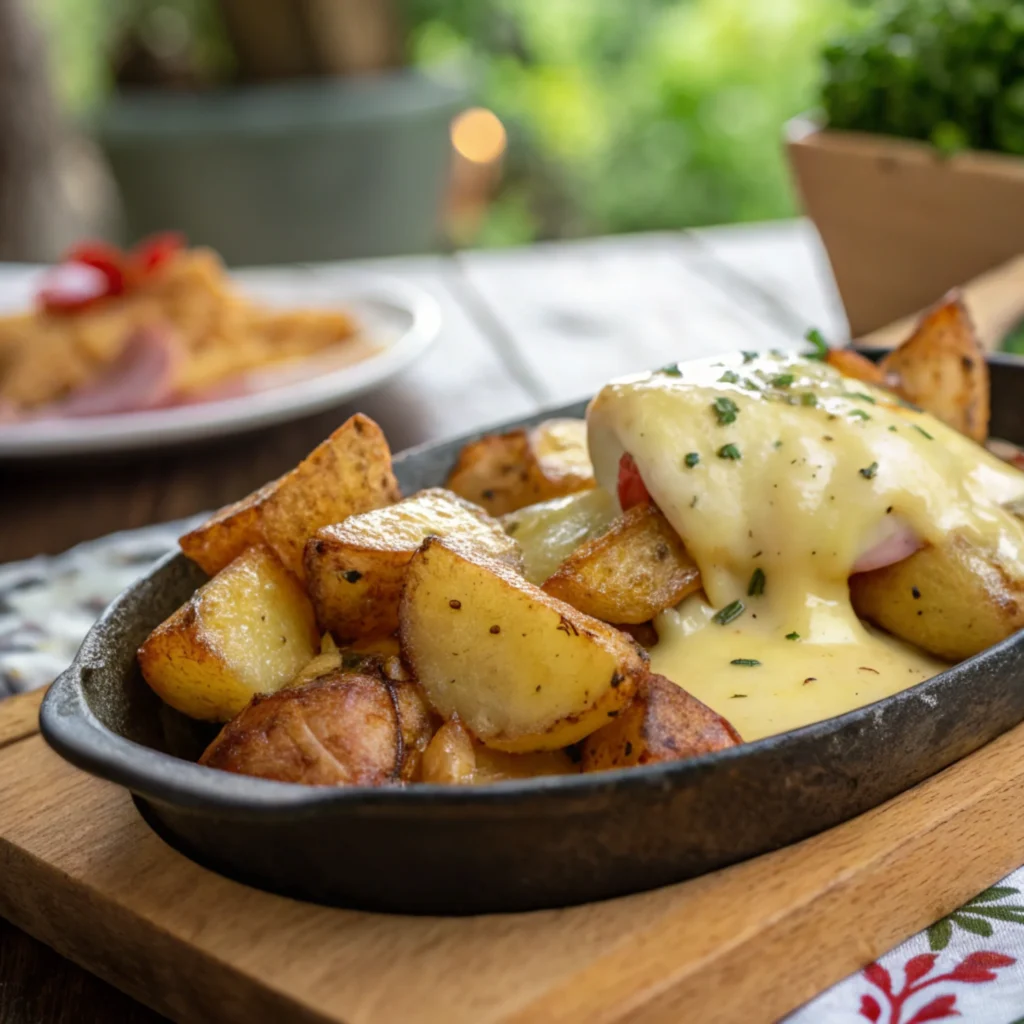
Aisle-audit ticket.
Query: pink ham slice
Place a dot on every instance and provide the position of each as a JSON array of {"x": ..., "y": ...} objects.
[
  {"x": 901, "y": 542},
  {"x": 142, "y": 377}
]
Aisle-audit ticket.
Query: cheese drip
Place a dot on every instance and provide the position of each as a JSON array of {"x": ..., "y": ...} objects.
[{"x": 793, "y": 473}]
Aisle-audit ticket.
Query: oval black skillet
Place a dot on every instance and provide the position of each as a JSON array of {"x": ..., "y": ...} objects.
[{"x": 514, "y": 845}]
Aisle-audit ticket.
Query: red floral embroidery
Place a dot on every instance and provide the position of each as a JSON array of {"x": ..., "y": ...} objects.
[{"x": 974, "y": 969}]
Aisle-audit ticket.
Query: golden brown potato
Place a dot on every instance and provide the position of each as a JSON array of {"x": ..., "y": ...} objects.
[
  {"x": 852, "y": 364},
  {"x": 350, "y": 472},
  {"x": 345, "y": 729},
  {"x": 522, "y": 670},
  {"x": 953, "y": 599},
  {"x": 355, "y": 569},
  {"x": 249, "y": 630},
  {"x": 630, "y": 573},
  {"x": 941, "y": 368},
  {"x": 453, "y": 758},
  {"x": 550, "y": 531},
  {"x": 664, "y": 723},
  {"x": 505, "y": 472}
]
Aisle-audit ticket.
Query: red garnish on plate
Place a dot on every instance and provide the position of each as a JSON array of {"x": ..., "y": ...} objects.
[
  {"x": 632, "y": 489},
  {"x": 93, "y": 271}
]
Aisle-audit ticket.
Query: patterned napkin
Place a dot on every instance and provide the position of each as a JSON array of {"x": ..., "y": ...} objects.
[{"x": 969, "y": 965}]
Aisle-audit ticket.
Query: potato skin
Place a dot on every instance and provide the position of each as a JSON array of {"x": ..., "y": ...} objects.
[
  {"x": 355, "y": 570},
  {"x": 345, "y": 729},
  {"x": 952, "y": 600},
  {"x": 941, "y": 367},
  {"x": 633, "y": 571},
  {"x": 249, "y": 630},
  {"x": 663, "y": 723},
  {"x": 505, "y": 472},
  {"x": 349, "y": 472},
  {"x": 522, "y": 670}
]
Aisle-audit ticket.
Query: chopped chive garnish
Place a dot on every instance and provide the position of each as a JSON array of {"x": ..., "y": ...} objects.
[
  {"x": 778, "y": 353},
  {"x": 691, "y": 459},
  {"x": 725, "y": 409},
  {"x": 728, "y": 451},
  {"x": 782, "y": 380},
  {"x": 861, "y": 396},
  {"x": 729, "y": 377},
  {"x": 817, "y": 339},
  {"x": 747, "y": 663},
  {"x": 729, "y": 613},
  {"x": 869, "y": 471},
  {"x": 860, "y": 413},
  {"x": 776, "y": 445},
  {"x": 793, "y": 636},
  {"x": 756, "y": 587},
  {"x": 671, "y": 370},
  {"x": 748, "y": 357},
  {"x": 750, "y": 385},
  {"x": 808, "y": 398},
  {"x": 893, "y": 428},
  {"x": 921, "y": 430}
]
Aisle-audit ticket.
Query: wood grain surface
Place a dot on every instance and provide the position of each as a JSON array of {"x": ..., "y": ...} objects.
[{"x": 83, "y": 873}]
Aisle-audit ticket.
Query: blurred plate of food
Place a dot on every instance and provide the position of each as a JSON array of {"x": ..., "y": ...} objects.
[{"x": 113, "y": 351}]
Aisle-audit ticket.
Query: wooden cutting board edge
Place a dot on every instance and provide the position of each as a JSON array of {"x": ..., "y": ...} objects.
[{"x": 751, "y": 942}]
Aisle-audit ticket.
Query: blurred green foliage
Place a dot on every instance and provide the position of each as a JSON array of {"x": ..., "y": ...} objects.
[
  {"x": 948, "y": 71},
  {"x": 623, "y": 115}
]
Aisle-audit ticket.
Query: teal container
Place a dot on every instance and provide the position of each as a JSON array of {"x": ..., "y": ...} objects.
[{"x": 308, "y": 170}]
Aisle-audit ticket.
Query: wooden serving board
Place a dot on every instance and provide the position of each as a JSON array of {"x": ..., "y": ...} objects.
[{"x": 81, "y": 871}]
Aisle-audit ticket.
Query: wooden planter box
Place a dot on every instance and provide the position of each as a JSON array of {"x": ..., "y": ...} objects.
[{"x": 902, "y": 224}]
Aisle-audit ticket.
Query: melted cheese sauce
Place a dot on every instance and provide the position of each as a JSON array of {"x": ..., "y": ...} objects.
[{"x": 797, "y": 471}]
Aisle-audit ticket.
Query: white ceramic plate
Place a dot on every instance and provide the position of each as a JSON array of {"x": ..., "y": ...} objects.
[{"x": 400, "y": 318}]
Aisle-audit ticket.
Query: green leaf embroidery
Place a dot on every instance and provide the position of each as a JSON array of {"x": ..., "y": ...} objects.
[
  {"x": 977, "y": 925},
  {"x": 997, "y": 892},
  {"x": 939, "y": 935},
  {"x": 971, "y": 917}
]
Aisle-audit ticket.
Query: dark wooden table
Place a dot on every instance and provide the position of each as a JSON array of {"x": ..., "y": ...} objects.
[{"x": 523, "y": 328}]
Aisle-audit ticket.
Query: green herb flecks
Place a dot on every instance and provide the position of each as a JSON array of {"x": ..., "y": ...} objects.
[
  {"x": 691, "y": 459},
  {"x": 729, "y": 377},
  {"x": 725, "y": 409},
  {"x": 808, "y": 398},
  {"x": 922, "y": 431},
  {"x": 670, "y": 370},
  {"x": 859, "y": 413},
  {"x": 729, "y": 613},
  {"x": 756, "y": 585},
  {"x": 728, "y": 451},
  {"x": 860, "y": 395},
  {"x": 793, "y": 636},
  {"x": 817, "y": 339},
  {"x": 782, "y": 380},
  {"x": 746, "y": 663},
  {"x": 748, "y": 357},
  {"x": 868, "y": 472}
]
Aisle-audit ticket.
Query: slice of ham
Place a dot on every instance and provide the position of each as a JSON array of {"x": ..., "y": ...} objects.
[
  {"x": 142, "y": 377},
  {"x": 901, "y": 541}
]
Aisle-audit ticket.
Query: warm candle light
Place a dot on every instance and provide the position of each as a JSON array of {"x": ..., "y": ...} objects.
[{"x": 478, "y": 135}]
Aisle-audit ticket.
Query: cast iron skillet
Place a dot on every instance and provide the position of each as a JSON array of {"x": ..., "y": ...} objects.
[{"x": 513, "y": 845}]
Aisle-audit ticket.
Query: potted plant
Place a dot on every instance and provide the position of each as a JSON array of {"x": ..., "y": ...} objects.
[
  {"x": 914, "y": 174},
  {"x": 277, "y": 130}
]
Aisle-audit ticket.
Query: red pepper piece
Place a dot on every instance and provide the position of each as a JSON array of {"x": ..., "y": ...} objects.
[
  {"x": 632, "y": 489},
  {"x": 153, "y": 252},
  {"x": 106, "y": 258}
]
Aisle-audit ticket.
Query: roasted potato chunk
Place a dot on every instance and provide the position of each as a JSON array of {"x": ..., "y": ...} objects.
[
  {"x": 342, "y": 730},
  {"x": 550, "y": 531},
  {"x": 852, "y": 364},
  {"x": 356, "y": 569},
  {"x": 350, "y": 472},
  {"x": 453, "y": 758},
  {"x": 521, "y": 670},
  {"x": 941, "y": 368},
  {"x": 249, "y": 630},
  {"x": 505, "y": 472},
  {"x": 953, "y": 599},
  {"x": 637, "y": 568},
  {"x": 664, "y": 723}
]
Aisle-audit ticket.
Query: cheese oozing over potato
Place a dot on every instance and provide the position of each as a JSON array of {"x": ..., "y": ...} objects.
[{"x": 780, "y": 475}]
